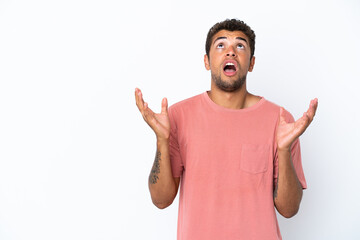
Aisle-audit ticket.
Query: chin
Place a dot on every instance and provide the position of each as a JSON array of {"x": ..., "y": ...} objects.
[
  {"x": 228, "y": 83},
  {"x": 229, "y": 87}
]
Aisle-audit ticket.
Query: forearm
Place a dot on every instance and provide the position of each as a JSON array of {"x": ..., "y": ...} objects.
[
  {"x": 288, "y": 190},
  {"x": 161, "y": 182}
]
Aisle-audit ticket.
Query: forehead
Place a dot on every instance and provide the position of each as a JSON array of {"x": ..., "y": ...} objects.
[{"x": 231, "y": 35}]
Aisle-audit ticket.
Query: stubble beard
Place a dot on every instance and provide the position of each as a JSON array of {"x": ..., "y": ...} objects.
[{"x": 228, "y": 86}]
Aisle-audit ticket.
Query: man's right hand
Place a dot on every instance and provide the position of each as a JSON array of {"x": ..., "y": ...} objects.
[
  {"x": 159, "y": 122},
  {"x": 162, "y": 185}
]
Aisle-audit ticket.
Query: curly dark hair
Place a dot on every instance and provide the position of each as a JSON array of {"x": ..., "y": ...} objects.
[{"x": 231, "y": 25}]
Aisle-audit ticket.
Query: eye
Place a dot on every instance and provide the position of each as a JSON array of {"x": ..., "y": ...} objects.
[
  {"x": 240, "y": 46},
  {"x": 220, "y": 46}
]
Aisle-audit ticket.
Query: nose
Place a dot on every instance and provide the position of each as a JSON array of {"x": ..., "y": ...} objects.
[{"x": 231, "y": 52}]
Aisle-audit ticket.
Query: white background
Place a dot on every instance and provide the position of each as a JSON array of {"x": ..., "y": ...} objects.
[{"x": 75, "y": 153}]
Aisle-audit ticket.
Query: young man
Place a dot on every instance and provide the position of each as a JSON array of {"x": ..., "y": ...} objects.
[{"x": 237, "y": 154}]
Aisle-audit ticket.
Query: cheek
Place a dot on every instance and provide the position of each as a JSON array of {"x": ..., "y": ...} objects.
[
  {"x": 213, "y": 61},
  {"x": 215, "y": 66}
]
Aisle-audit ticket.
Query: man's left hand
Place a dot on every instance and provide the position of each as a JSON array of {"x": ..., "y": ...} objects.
[{"x": 287, "y": 133}]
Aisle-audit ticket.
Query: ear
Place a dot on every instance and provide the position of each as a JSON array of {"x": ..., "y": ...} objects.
[
  {"x": 206, "y": 62},
  {"x": 252, "y": 63}
]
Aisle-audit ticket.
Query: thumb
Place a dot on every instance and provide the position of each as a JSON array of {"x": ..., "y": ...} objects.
[
  {"x": 282, "y": 117},
  {"x": 164, "y": 106}
]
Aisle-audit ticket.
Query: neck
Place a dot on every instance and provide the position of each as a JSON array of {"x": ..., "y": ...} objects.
[{"x": 238, "y": 99}]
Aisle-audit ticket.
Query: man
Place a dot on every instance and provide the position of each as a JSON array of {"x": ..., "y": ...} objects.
[{"x": 237, "y": 154}]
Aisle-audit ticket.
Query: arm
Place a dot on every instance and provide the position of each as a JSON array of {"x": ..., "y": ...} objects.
[
  {"x": 162, "y": 185},
  {"x": 288, "y": 190}
]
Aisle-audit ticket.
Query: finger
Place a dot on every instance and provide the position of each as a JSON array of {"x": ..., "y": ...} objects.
[
  {"x": 148, "y": 115},
  {"x": 302, "y": 123},
  {"x": 282, "y": 117},
  {"x": 137, "y": 97},
  {"x": 164, "y": 106},
  {"x": 312, "y": 109},
  {"x": 306, "y": 118},
  {"x": 140, "y": 100},
  {"x": 310, "y": 112},
  {"x": 316, "y": 102}
]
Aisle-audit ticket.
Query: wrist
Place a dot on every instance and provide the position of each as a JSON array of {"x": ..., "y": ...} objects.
[
  {"x": 284, "y": 154},
  {"x": 162, "y": 140},
  {"x": 284, "y": 150}
]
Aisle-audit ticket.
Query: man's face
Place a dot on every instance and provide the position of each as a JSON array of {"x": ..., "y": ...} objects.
[{"x": 229, "y": 60}]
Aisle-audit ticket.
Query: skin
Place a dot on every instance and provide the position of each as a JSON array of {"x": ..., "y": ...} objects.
[
  {"x": 226, "y": 45},
  {"x": 162, "y": 185},
  {"x": 288, "y": 190},
  {"x": 230, "y": 49}
]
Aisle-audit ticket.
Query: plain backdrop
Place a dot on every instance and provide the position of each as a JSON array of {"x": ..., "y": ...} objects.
[{"x": 75, "y": 153}]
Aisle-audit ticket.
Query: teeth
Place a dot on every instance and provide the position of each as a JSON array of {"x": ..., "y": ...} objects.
[{"x": 229, "y": 64}]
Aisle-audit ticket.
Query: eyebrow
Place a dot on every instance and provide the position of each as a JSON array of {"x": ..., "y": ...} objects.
[{"x": 240, "y": 38}]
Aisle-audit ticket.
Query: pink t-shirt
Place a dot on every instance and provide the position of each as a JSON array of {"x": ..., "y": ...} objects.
[{"x": 227, "y": 162}]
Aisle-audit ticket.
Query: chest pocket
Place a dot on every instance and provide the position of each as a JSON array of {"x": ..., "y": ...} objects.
[{"x": 254, "y": 158}]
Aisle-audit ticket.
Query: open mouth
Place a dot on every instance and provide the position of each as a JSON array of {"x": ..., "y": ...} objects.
[{"x": 230, "y": 68}]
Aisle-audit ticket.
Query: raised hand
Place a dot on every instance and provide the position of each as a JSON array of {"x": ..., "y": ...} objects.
[
  {"x": 287, "y": 133},
  {"x": 159, "y": 122}
]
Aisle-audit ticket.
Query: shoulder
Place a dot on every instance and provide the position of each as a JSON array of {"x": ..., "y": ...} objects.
[
  {"x": 275, "y": 109},
  {"x": 186, "y": 103}
]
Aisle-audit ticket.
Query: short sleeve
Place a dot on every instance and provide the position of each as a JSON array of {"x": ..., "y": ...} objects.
[
  {"x": 295, "y": 157},
  {"x": 175, "y": 156}
]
